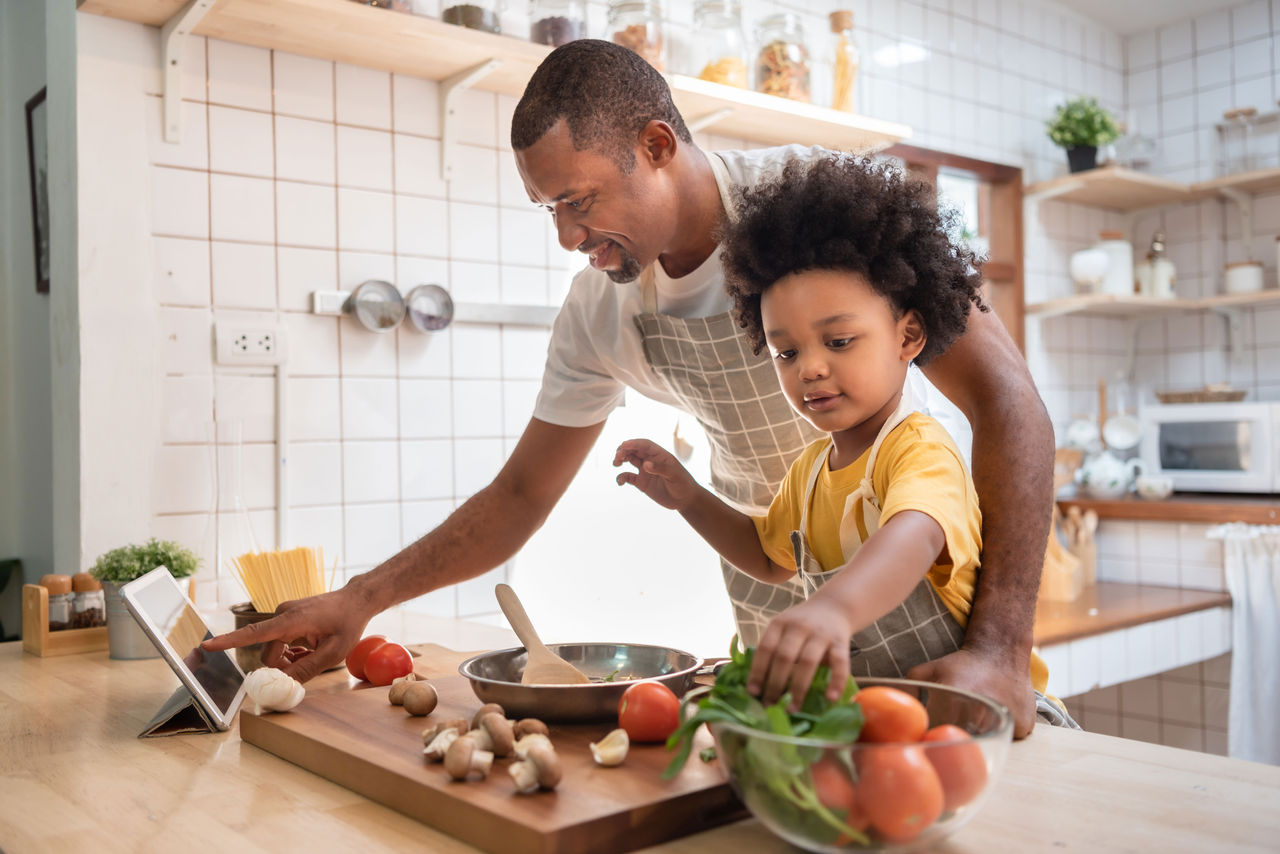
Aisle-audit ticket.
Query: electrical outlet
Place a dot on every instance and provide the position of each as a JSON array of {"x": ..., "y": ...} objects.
[{"x": 250, "y": 344}]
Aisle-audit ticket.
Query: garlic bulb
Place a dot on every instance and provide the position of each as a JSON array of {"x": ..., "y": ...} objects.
[{"x": 271, "y": 690}]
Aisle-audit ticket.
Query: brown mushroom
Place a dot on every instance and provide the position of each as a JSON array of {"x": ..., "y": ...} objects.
[
  {"x": 539, "y": 768},
  {"x": 501, "y": 736},
  {"x": 484, "y": 710},
  {"x": 420, "y": 698},
  {"x": 459, "y": 725},
  {"x": 395, "y": 696},
  {"x": 524, "y": 742},
  {"x": 525, "y": 726},
  {"x": 463, "y": 759}
]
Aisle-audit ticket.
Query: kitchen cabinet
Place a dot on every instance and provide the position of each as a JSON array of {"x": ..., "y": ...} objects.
[
  {"x": 70, "y": 749},
  {"x": 1204, "y": 508},
  {"x": 418, "y": 46}
]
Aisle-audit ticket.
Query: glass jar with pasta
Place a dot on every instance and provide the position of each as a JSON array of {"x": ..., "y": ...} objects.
[
  {"x": 637, "y": 24},
  {"x": 844, "y": 61},
  {"x": 782, "y": 63},
  {"x": 719, "y": 48}
]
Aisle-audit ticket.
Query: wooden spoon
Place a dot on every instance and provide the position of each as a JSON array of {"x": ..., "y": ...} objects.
[{"x": 543, "y": 666}]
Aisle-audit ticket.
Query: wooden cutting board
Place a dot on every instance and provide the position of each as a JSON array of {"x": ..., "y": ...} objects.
[{"x": 348, "y": 733}]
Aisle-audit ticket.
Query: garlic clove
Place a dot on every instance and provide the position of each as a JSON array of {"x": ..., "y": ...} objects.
[
  {"x": 269, "y": 689},
  {"x": 611, "y": 749}
]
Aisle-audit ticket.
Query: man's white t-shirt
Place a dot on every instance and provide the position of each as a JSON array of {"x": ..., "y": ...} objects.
[{"x": 596, "y": 352}]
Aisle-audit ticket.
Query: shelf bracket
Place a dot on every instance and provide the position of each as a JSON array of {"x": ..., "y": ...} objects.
[
  {"x": 450, "y": 90},
  {"x": 1244, "y": 206},
  {"x": 172, "y": 37},
  {"x": 1235, "y": 332},
  {"x": 709, "y": 119}
]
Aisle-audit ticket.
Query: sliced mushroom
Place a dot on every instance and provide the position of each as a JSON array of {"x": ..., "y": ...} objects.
[
  {"x": 611, "y": 749},
  {"x": 484, "y": 710},
  {"x": 458, "y": 725},
  {"x": 539, "y": 768},
  {"x": 526, "y": 726},
  {"x": 440, "y": 744},
  {"x": 420, "y": 698},
  {"x": 464, "y": 759}
]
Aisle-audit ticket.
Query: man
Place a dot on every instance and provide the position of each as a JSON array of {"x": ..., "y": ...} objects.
[{"x": 599, "y": 144}]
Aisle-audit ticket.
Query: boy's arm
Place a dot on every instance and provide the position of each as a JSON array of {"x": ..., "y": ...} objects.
[
  {"x": 732, "y": 534},
  {"x": 985, "y": 376}
]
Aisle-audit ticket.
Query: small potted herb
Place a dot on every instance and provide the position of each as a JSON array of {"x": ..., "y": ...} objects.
[
  {"x": 122, "y": 565},
  {"x": 1080, "y": 126}
]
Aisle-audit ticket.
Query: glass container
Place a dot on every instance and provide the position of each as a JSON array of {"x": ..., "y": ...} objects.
[
  {"x": 484, "y": 15},
  {"x": 782, "y": 62},
  {"x": 719, "y": 47},
  {"x": 557, "y": 22},
  {"x": 61, "y": 600},
  {"x": 844, "y": 61},
  {"x": 637, "y": 24},
  {"x": 89, "y": 609}
]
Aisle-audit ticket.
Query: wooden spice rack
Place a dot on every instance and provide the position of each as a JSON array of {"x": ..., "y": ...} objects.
[{"x": 38, "y": 640}]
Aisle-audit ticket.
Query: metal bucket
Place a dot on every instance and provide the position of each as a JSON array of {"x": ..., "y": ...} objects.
[{"x": 125, "y": 638}]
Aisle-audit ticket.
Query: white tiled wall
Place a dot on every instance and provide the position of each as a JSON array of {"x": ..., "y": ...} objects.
[{"x": 296, "y": 174}]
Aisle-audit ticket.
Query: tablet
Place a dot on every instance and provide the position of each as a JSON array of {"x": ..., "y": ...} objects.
[{"x": 170, "y": 619}]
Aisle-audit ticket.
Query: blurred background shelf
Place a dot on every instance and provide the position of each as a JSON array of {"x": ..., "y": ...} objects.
[{"x": 1109, "y": 305}]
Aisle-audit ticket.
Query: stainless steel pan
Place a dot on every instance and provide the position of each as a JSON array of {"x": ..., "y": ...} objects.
[{"x": 495, "y": 677}]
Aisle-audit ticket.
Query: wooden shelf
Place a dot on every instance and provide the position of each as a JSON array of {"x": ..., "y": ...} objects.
[
  {"x": 1108, "y": 305},
  {"x": 367, "y": 36},
  {"x": 1108, "y": 606},
  {"x": 1201, "y": 507},
  {"x": 1259, "y": 181},
  {"x": 1113, "y": 188}
]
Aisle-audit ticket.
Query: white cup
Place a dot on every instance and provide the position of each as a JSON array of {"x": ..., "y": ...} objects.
[
  {"x": 1244, "y": 277},
  {"x": 1153, "y": 486}
]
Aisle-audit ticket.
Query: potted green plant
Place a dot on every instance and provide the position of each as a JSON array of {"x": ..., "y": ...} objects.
[
  {"x": 122, "y": 565},
  {"x": 1080, "y": 126}
]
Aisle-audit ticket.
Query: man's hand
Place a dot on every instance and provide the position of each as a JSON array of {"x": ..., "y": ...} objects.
[
  {"x": 1007, "y": 682},
  {"x": 330, "y": 624}
]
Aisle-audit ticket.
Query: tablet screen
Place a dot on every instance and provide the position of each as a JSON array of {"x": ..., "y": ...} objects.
[{"x": 179, "y": 623}]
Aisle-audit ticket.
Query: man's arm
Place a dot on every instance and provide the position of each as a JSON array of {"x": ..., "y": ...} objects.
[
  {"x": 485, "y": 531},
  {"x": 986, "y": 377}
]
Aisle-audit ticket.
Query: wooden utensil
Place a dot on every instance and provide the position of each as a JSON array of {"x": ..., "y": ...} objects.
[{"x": 543, "y": 667}]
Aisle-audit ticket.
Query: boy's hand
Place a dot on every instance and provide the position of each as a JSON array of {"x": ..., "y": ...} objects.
[
  {"x": 795, "y": 642},
  {"x": 658, "y": 474}
]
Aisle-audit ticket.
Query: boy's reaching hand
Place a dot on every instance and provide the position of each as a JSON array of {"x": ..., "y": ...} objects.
[
  {"x": 658, "y": 474},
  {"x": 794, "y": 644}
]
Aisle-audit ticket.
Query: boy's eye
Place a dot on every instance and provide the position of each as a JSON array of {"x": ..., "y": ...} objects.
[
  {"x": 784, "y": 355},
  {"x": 839, "y": 343}
]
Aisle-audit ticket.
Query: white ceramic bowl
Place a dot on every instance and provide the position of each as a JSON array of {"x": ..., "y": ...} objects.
[{"x": 1154, "y": 486}]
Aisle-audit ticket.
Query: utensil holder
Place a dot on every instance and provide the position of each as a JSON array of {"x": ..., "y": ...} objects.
[{"x": 38, "y": 640}]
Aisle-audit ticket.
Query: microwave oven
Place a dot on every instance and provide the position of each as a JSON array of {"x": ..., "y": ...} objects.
[{"x": 1214, "y": 447}]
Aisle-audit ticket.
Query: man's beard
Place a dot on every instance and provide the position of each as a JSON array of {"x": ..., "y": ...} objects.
[{"x": 630, "y": 270}]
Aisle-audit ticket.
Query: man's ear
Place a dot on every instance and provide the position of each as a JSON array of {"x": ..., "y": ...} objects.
[
  {"x": 911, "y": 328},
  {"x": 658, "y": 143}
]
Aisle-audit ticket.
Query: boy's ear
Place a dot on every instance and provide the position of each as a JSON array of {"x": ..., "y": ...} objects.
[{"x": 911, "y": 328}]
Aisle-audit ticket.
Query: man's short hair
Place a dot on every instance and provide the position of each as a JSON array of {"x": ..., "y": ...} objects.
[{"x": 605, "y": 92}]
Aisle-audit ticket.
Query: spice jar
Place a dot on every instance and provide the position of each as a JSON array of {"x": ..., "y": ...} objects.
[
  {"x": 637, "y": 24},
  {"x": 557, "y": 22},
  {"x": 782, "y": 64},
  {"x": 90, "y": 606},
  {"x": 719, "y": 48},
  {"x": 481, "y": 15},
  {"x": 61, "y": 600},
  {"x": 844, "y": 60}
]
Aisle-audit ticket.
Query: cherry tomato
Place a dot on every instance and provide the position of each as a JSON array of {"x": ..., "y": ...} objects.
[
  {"x": 836, "y": 791},
  {"x": 648, "y": 711},
  {"x": 387, "y": 663},
  {"x": 360, "y": 652},
  {"x": 961, "y": 767},
  {"x": 890, "y": 715},
  {"x": 899, "y": 790}
]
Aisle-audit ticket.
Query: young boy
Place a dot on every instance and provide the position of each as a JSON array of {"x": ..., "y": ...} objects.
[{"x": 843, "y": 268}]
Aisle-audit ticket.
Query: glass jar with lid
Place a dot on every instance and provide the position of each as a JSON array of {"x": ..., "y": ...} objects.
[
  {"x": 484, "y": 15},
  {"x": 782, "y": 62},
  {"x": 844, "y": 61},
  {"x": 719, "y": 47},
  {"x": 637, "y": 24},
  {"x": 557, "y": 22}
]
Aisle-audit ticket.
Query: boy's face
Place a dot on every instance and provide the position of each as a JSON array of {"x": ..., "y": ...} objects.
[
  {"x": 616, "y": 219},
  {"x": 840, "y": 354}
]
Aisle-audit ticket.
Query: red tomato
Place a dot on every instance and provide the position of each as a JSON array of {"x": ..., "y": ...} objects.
[
  {"x": 836, "y": 791},
  {"x": 899, "y": 790},
  {"x": 360, "y": 652},
  {"x": 648, "y": 711},
  {"x": 961, "y": 767},
  {"x": 387, "y": 663},
  {"x": 891, "y": 715}
]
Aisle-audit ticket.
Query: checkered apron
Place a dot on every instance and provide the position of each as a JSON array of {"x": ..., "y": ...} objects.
[
  {"x": 754, "y": 434},
  {"x": 918, "y": 630}
]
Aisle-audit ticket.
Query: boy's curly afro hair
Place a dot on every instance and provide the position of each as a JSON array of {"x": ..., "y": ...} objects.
[{"x": 851, "y": 213}]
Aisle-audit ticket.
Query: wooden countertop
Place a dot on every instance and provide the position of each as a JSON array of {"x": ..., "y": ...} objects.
[
  {"x": 1110, "y": 605},
  {"x": 1202, "y": 507},
  {"x": 74, "y": 777}
]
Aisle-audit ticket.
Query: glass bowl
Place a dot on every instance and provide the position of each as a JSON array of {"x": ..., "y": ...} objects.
[{"x": 895, "y": 797}]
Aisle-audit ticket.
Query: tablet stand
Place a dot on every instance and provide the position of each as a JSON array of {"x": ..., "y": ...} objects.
[{"x": 180, "y": 714}]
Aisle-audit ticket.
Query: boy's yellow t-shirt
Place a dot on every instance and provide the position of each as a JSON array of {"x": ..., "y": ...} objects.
[{"x": 917, "y": 468}]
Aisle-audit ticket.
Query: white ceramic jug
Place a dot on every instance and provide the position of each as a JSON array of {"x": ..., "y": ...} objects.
[{"x": 1107, "y": 476}]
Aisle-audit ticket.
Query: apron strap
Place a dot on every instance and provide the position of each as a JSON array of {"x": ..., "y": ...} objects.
[
  {"x": 649, "y": 290},
  {"x": 808, "y": 489}
]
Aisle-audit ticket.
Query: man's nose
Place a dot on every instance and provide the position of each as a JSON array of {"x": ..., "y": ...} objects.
[{"x": 570, "y": 234}]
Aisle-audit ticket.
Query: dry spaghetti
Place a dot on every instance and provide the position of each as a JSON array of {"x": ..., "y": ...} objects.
[{"x": 274, "y": 577}]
